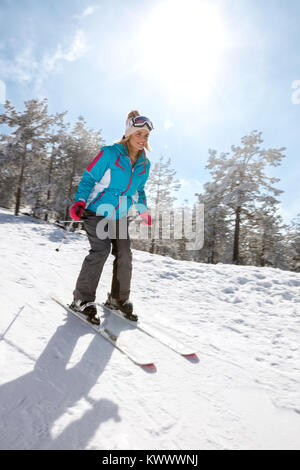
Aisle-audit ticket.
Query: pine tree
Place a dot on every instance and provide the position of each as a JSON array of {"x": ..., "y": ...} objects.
[
  {"x": 242, "y": 183},
  {"x": 293, "y": 244},
  {"x": 161, "y": 189},
  {"x": 8, "y": 171},
  {"x": 28, "y": 139},
  {"x": 184, "y": 216},
  {"x": 57, "y": 136},
  {"x": 79, "y": 149},
  {"x": 262, "y": 238},
  {"x": 42, "y": 160},
  {"x": 216, "y": 225}
]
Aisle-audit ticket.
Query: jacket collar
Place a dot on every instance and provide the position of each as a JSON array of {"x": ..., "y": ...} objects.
[{"x": 124, "y": 150}]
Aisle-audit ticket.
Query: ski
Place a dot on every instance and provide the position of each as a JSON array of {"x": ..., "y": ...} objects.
[
  {"x": 108, "y": 336},
  {"x": 163, "y": 338}
]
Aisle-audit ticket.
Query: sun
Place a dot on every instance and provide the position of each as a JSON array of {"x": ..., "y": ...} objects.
[{"x": 181, "y": 43}]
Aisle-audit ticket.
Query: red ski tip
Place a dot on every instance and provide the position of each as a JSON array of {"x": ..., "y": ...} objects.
[
  {"x": 149, "y": 367},
  {"x": 192, "y": 356}
]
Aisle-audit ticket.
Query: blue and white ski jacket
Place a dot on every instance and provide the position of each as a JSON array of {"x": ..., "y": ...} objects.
[{"x": 110, "y": 184}]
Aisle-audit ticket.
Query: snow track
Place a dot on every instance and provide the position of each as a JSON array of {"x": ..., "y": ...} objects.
[{"x": 62, "y": 387}]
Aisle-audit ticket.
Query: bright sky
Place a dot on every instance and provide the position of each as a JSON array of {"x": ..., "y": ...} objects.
[{"x": 206, "y": 73}]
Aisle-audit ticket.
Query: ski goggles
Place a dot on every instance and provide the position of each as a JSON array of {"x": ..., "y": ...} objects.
[{"x": 141, "y": 121}]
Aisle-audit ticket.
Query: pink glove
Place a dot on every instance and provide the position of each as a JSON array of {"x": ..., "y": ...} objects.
[
  {"x": 77, "y": 209},
  {"x": 146, "y": 218}
]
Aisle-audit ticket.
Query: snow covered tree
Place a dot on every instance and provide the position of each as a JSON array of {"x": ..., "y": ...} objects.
[
  {"x": 78, "y": 150},
  {"x": 42, "y": 160},
  {"x": 241, "y": 181},
  {"x": 216, "y": 229},
  {"x": 57, "y": 136},
  {"x": 293, "y": 244},
  {"x": 8, "y": 172},
  {"x": 161, "y": 189},
  {"x": 178, "y": 247},
  {"x": 28, "y": 139},
  {"x": 262, "y": 238}
]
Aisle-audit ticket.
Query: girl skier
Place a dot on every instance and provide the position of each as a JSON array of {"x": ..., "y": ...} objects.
[{"x": 104, "y": 196}]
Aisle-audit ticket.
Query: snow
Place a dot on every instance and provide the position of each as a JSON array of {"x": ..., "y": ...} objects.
[{"x": 63, "y": 387}]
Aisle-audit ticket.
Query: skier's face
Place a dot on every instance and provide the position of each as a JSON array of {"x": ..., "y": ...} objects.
[{"x": 139, "y": 139}]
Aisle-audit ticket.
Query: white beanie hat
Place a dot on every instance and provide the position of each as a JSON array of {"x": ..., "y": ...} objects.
[{"x": 131, "y": 129}]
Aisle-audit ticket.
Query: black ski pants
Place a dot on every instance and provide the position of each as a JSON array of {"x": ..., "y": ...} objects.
[{"x": 92, "y": 266}]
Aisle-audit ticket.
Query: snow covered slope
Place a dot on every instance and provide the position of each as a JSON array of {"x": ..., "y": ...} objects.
[{"x": 62, "y": 387}]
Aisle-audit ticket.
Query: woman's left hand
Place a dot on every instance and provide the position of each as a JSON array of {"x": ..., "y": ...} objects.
[{"x": 146, "y": 218}]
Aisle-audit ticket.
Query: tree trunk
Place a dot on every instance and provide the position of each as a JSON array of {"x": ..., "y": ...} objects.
[
  {"x": 235, "y": 258},
  {"x": 70, "y": 192},
  {"x": 20, "y": 182},
  {"x": 152, "y": 248},
  {"x": 49, "y": 182},
  {"x": 262, "y": 252},
  {"x": 212, "y": 247}
]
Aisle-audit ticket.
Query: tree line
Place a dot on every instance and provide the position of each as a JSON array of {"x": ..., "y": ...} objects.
[{"x": 42, "y": 158}]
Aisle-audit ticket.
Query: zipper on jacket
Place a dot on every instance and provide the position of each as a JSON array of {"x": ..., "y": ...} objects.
[
  {"x": 130, "y": 177},
  {"x": 125, "y": 189},
  {"x": 100, "y": 195}
]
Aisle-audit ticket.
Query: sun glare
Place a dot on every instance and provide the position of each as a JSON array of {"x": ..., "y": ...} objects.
[{"x": 181, "y": 43}]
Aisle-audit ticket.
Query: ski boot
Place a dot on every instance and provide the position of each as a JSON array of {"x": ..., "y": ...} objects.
[
  {"x": 125, "y": 306},
  {"x": 87, "y": 308}
]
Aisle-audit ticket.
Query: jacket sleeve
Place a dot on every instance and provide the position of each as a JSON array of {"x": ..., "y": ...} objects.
[
  {"x": 141, "y": 204},
  {"x": 92, "y": 175},
  {"x": 142, "y": 200}
]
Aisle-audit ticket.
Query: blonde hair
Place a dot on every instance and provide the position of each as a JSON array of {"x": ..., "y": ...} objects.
[{"x": 124, "y": 139}]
